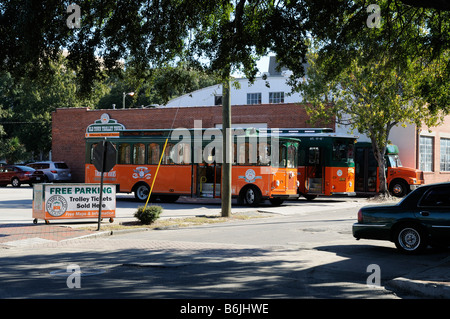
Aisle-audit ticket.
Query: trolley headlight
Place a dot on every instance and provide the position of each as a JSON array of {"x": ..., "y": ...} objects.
[{"x": 277, "y": 183}]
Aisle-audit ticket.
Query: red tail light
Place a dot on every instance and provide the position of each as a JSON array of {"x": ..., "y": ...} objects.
[
  {"x": 54, "y": 172},
  {"x": 360, "y": 216}
]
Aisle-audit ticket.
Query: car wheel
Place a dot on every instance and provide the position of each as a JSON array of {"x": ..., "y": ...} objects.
[
  {"x": 252, "y": 196},
  {"x": 410, "y": 239},
  {"x": 15, "y": 182},
  {"x": 141, "y": 192},
  {"x": 398, "y": 188}
]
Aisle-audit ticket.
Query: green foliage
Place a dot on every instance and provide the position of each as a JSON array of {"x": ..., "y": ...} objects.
[
  {"x": 29, "y": 103},
  {"x": 155, "y": 89},
  {"x": 148, "y": 215},
  {"x": 420, "y": 34},
  {"x": 145, "y": 35},
  {"x": 12, "y": 150}
]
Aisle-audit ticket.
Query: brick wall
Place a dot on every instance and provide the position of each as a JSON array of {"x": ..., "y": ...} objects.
[{"x": 69, "y": 124}]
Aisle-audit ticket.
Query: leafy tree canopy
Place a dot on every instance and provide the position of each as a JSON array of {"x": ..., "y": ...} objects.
[
  {"x": 214, "y": 35},
  {"x": 407, "y": 30}
]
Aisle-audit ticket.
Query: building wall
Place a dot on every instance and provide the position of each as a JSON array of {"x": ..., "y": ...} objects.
[
  {"x": 205, "y": 96},
  {"x": 69, "y": 124},
  {"x": 435, "y": 175}
]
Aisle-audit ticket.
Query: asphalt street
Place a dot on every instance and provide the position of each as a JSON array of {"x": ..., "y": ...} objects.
[{"x": 298, "y": 250}]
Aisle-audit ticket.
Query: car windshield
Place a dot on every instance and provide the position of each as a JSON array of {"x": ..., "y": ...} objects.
[{"x": 394, "y": 161}]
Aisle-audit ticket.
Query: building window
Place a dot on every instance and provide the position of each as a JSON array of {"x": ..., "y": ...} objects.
[
  {"x": 253, "y": 98},
  {"x": 445, "y": 154},
  {"x": 217, "y": 99},
  {"x": 426, "y": 153},
  {"x": 276, "y": 97}
]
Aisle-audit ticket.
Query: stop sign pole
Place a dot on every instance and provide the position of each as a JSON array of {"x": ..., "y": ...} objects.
[{"x": 104, "y": 161}]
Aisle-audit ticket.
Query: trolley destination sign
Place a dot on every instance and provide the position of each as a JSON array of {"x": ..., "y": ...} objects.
[{"x": 104, "y": 127}]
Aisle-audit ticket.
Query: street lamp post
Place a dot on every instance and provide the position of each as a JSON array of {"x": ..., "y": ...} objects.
[{"x": 125, "y": 94}]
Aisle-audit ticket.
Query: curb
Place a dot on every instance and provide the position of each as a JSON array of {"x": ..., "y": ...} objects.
[
  {"x": 420, "y": 288},
  {"x": 107, "y": 233}
]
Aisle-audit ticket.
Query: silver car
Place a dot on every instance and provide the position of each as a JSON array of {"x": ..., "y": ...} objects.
[{"x": 53, "y": 171}]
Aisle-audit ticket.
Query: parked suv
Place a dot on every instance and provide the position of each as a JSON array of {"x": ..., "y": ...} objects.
[{"x": 53, "y": 171}]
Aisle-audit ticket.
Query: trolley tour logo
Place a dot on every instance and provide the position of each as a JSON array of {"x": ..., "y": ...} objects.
[
  {"x": 250, "y": 176},
  {"x": 142, "y": 172},
  {"x": 56, "y": 205}
]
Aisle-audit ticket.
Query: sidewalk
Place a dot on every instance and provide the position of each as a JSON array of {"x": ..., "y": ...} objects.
[
  {"x": 14, "y": 235},
  {"x": 430, "y": 283}
]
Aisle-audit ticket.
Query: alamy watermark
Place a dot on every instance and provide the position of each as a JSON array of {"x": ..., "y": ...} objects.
[
  {"x": 374, "y": 279},
  {"x": 74, "y": 278},
  {"x": 246, "y": 146},
  {"x": 374, "y": 18},
  {"x": 74, "y": 19}
]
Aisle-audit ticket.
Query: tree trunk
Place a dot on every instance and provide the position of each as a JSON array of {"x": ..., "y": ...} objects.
[{"x": 379, "y": 151}]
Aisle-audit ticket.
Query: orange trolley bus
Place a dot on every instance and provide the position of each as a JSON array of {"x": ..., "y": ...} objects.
[
  {"x": 264, "y": 165},
  {"x": 325, "y": 161}
]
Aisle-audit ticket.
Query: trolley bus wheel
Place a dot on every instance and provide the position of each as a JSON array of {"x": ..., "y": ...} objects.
[
  {"x": 111, "y": 220},
  {"x": 35, "y": 221},
  {"x": 168, "y": 198},
  {"x": 276, "y": 201},
  {"x": 141, "y": 192},
  {"x": 252, "y": 196},
  {"x": 309, "y": 197}
]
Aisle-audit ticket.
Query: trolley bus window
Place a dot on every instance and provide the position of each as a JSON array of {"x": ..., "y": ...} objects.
[
  {"x": 181, "y": 153},
  {"x": 314, "y": 155},
  {"x": 342, "y": 152},
  {"x": 292, "y": 156},
  {"x": 264, "y": 154},
  {"x": 124, "y": 153},
  {"x": 92, "y": 153},
  {"x": 282, "y": 155},
  {"x": 241, "y": 154},
  {"x": 168, "y": 154},
  {"x": 139, "y": 154},
  {"x": 153, "y": 153}
]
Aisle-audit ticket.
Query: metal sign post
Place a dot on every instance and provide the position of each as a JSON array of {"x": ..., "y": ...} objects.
[{"x": 104, "y": 160}]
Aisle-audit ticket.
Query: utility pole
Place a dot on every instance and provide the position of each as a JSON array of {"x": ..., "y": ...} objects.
[{"x": 227, "y": 149}]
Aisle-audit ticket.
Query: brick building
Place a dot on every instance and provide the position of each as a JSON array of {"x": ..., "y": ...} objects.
[{"x": 69, "y": 124}]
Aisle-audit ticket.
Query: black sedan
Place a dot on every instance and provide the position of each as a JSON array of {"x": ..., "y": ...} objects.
[{"x": 422, "y": 218}]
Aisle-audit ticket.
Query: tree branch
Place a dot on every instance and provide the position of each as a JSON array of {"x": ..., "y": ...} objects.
[{"x": 443, "y": 5}]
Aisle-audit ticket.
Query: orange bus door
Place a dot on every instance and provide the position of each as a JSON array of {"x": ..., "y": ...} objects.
[
  {"x": 314, "y": 171},
  {"x": 365, "y": 170},
  {"x": 208, "y": 180}
]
